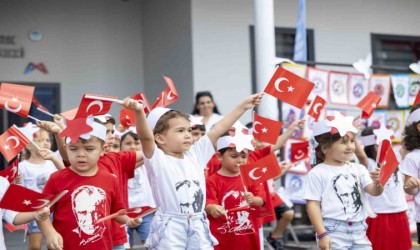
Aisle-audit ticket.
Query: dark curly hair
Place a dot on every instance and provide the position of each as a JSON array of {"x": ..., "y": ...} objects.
[
  {"x": 198, "y": 96},
  {"x": 411, "y": 135},
  {"x": 370, "y": 150}
]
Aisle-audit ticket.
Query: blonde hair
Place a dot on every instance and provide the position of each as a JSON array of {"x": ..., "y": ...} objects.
[{"x": 39, "y": 134}]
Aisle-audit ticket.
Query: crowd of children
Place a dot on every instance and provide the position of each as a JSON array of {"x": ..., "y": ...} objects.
[{"x": 188, "y": 166}]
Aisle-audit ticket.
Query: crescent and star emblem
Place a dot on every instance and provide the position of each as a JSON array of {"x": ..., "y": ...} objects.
[
  {"x": 14, "y": 138},
  {"x": 252, "y": 174},
  {"x": 278, "y": 81},
  {"x": 14, "y": 110},
  {"x": 98, "y": 103},
  {"x": 44, "y": 202}
]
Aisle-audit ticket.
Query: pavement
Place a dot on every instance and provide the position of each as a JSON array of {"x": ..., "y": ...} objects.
[{"x": 14, "y": 241}]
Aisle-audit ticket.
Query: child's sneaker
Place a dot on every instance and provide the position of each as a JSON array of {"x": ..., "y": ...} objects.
[{"x": 277, "y": 244}]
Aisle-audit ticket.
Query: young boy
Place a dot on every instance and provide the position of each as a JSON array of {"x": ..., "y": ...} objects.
[
  {"x": 225, "y": 191},
  {"x": 93, "y": 194},
  {"x": 176, "y": 174}
]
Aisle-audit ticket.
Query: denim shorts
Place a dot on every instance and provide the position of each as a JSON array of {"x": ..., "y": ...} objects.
[
  {"x": 180, "y": 231},
  {"x": 347, "y": 235},
  {"x": 33, "y": 228},
  {"x": 142, "y": 230}
]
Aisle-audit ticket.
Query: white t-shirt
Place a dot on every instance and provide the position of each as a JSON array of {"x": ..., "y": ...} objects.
[
  {"x": 392, "y": 200},
  {"x": 35, "y": 176},
  {"x": 214, "y": 118},
  {"x": 178, "y": 185},
  {"x": 139, "y": 190},
  {"x": 411, "y": 166},
  {"x": 337, "y": 187},
  {"x": 8, "y": 215}
]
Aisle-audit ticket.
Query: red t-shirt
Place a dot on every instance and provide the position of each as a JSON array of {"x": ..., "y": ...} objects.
[
  {"x": 89, "y": 199},
  {"x": 122, "y": 165},
  {"x": 236, "y": 230}
]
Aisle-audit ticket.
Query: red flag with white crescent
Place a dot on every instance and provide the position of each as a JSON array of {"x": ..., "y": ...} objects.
[
  {"x": 316, "y": 107},
  {"x": 168, "y": 96},
  {"x": 288, "y": 87},
  {"x": 11, "y": 172},
  {"x": 388, "y": 160},
  {"x": 92, "y": 106},
  {"x": 299, "y": 151},
  {"x": 368, "y": 104},
  {"x": 12, "y": 142},
  {"x": 265, "y": 129},
  {"x": 264, "y": 169},
  {"x": 16, "y": 98},
  {"x": 142, "y": 97},
  {"x": 21, "y": 199}
]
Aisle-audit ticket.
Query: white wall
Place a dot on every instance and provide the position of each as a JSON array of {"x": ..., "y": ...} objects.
[
  {"x": 90, "y": 46},
  {"x": 221, "y": 41}
]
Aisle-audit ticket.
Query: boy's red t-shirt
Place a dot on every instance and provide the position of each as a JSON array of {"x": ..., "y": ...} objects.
[
  {"x": 237, "y": 230},
  {"x": 122, "y": 165},
  {"x": 89, "y": 199}
]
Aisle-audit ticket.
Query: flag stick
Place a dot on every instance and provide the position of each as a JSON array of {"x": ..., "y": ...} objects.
[
  {"x": 45, "y": 112},
  {"x": 35, "y": 119},
  {"x": 33, "y": 143},
  {"x": 57, "y": 198},
  {"x": 111, "y": 216},
  {"x": 104, "y": 99}
]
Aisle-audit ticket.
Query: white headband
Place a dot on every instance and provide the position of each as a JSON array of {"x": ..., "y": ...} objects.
[
  {"x": 368, "y": 140},
  {"x": 413, "y": 117},
  {"x": 155, "y": 115},
  {"x": 99, "y": 131},
  {"x": 224, "y": 142}
]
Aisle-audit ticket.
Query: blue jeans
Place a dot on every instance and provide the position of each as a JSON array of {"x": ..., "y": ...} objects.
[
  {"x": 180, "y": 231},
  {"x": 118, "y": 247},
  {"x": 142, "y": 230},
  {"x": 347, "y": 235}
]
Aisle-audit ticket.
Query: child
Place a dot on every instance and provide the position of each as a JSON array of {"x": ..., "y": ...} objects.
[
  {"x": 176, "y": 173},
  {"x": 225, "y": 190},
  {"x": 410, "y": 166},
  {"x": 93, "y": 194},
  {"x": 16, "y": 218},
  {"x": 198, "y": 129},
  {"x": 139, "y": 190},
  {"x": 35, "y": 169},
  {"x": 390, "y": 229},
  {"x": 333, "y": 187}
]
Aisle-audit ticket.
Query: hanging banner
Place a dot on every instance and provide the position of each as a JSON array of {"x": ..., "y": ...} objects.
[
  {"x": 338, "y": 87},
  {"x": 320, "y": 78},
  {"x": 395, "y": 121},
  {"x": 400, "y": 86},
  {"x": 377, "y": 119},
  {"x": 381, "y": 85},
  {"x": 358, "y": 88},
  {"x": 414, "y": 88}
]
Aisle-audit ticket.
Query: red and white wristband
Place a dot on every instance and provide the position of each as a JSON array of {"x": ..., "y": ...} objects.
[{"x": 322, "y": 235}]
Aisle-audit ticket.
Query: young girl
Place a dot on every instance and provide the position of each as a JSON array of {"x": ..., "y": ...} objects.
[
  {"x": 36, "y": 168},
  {"x": 333, "y": 187},
  {"x": 390, "y": 229},
  {"x": 139, "y": 191},
  {"x": 410, "y": 166},
  {"x": 225, "y": 190},
  {"x": 176, "y": 173}
]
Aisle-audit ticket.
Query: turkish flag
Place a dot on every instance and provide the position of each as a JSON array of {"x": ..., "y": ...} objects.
[
  {"x": 142, "y": 97},
  {"x": 11, "y": 172},
  {"x": 299, "y": 151},
  {"x": 75, "y": 128},
  {"x": 21, "y": 199},
  {"x": 316, "y": 107},
  {"x": 264, "y": 169},
  {"x": 13, "y": 228},
  {"x": 12, "y": 142},
  {"x": 265, "y": 129},
  {"x": 417, "y": 101},
  {"x": 39, "y": 105},
  {"x": 140, "y": 212},
  {"x": 288, "y": 87},
  {"x": 168, "y": 96},
  {"x": 91, "y": 105},
  {"x": 388, "y": 161},
  {"x": 16, "y": 98},
  {"x": 368, "y": 104},
  {"x": 127, "y": 118}
]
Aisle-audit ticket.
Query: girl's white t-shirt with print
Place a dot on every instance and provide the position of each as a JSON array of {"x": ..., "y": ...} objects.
[
  {"x": 337, "y": 188},
  {"x": 178, "y": 185},
  {"x": 139, "y": 190},
  {"x": 8, "y": 215},
  {"x": 392, "y": 200},
  {"x": 410, "y": 166},
  {"x": 35, "y": 176}
]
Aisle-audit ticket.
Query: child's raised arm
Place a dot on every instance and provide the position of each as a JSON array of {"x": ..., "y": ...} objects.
[
  {"x": 49, "y": 155},
  {"x": 281, "y": 140},
  {"x": 143, "y": 130},
  {"x": 226, "y": 123}
]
